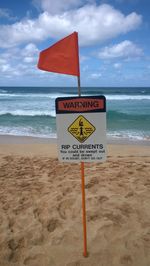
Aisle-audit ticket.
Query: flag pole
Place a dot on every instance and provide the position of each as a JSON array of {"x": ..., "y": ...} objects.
[
  {"x": 85, "y": 254},
  {"x": 79, "y": 88}
]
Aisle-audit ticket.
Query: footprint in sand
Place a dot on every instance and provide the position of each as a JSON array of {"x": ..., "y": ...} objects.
[
  {"x": 39, "y": 260},
  {"x": 92, "y": 183},
  {"x": 126, "y": 260},
  {"x": 65, "y": 208},
  {"x": 14, "y": 246},
  {"x": 129, "y": 194},
  {"x": 74, "y": 263},
  {"x": 53, "y": 224},
  {"x": 126, "y": 210},
  {"x": 102, "y": 198}
]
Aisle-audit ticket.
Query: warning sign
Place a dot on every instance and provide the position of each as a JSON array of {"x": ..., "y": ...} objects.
[{"x": 81, "y": 128}]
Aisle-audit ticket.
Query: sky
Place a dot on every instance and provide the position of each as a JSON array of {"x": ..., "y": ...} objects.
[{"x": 114, "y": 41}]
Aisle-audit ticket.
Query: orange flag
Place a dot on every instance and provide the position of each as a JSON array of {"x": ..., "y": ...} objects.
[{"x": 62, "y": 57}]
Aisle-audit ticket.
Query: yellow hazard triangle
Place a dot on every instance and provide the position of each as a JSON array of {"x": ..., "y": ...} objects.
[{"x": 81, "y": 129}]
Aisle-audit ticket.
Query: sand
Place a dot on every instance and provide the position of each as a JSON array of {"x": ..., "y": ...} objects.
[{"x": 41, "y": 213}]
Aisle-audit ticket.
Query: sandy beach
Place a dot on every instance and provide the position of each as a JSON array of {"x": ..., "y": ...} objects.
[{"x": 41, "y": 209}]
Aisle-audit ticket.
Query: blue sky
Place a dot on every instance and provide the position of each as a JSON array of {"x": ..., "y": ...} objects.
[{"x": 114, "y": 41}]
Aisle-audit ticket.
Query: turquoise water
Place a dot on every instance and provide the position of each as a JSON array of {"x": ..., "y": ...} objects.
[{"x": 30, "y": 111}]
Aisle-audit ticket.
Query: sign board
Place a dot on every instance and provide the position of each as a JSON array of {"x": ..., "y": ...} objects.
[{"x": 81, "y": 128}]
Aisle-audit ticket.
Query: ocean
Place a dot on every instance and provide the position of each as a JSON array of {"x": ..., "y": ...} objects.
[{"x": 30, "y": 111}]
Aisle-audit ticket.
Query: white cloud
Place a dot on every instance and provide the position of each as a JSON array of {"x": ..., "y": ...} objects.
[
  {"x": 117, "y": 65},
  {"x": 83, "y": 58},
  {"x": 30, "y": 50},
  {"x": 60, "y": 6},
  {"x": 95, "y": 24},
  {"x": 28, "y": 59},
  {"x": 2, "y": 61},
  {"x": 5, "y": 68},
  {"x": 125, "y": 49},
  {"x": 57, "y": 6},
  {"x": 19, "y": 62},
  {"x": 95, "y": 75}
]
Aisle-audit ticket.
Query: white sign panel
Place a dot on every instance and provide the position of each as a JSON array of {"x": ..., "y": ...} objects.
[{"x": 81, "y": 128}]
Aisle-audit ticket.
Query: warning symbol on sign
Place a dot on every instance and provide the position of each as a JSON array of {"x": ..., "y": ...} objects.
[{"x": 81, "y": 129}]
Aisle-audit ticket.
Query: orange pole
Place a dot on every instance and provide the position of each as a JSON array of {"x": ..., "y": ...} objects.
[{"x": 85, "y": 254}]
